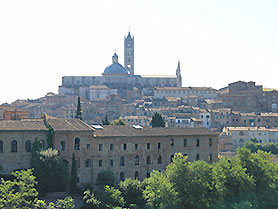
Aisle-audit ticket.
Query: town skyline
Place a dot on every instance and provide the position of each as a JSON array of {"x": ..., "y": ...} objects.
[{"x": 216, "y": 43}]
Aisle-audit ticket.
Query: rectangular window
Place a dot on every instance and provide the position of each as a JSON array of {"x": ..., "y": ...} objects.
[
  {"x": 148, "y": 146},
  {"x": 210, "y": 142},
  {"x": 62, "y": 146},
  {"x": 158, "y": 145},
  {"x": 184, "y": 142},
  {"x": 111, "y": 147},
  {"x": 172, "y": 143},
  {"x": 100, "y": 147},
  {"x": 111, "y": 162},
  {"x": 100, "y": 163},
  {"x": 88, "y": 146},
  {"x": 136, "y": 146},
  {"x": 124, "y": 146},
  {"x": 197, "y": 142}
]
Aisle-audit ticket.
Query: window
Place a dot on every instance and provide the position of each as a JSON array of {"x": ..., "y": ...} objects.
[
  {"x": 14, "y": 146},
  {"x": 88, "y": 146},
  {"x": 42, "y": 145},
  {"x": 148, "y": 146},
  {"x": 122, "y": 176},
  {"x": 62, "y": 146},
  {"x": 100, "y": 147},
  {"x": 210, "y": 142},
  {"x": 184, "y": 142},
  {"x": 111, "y": 147},
  {"x": 100, "y": 163},
  {"x": 136, "y": 146},
  {"x": 197, "y": 156},
  {"x": 122, "y": 161},
  {"x": 111, "y": 162},
  {"x": 148, "y": 160},
  {"x": 76, "y": 143},
  {"x": 1, "y": 146},
  {"x": 171, "y": 159},
  {"x": 159, "y": 160},
  {"x": 88, "y": 163},
  {"x": 241, "y": 141},
  {"x": 137, "y": 160},
  {"x": 197, "y": 142},
  {"x": 136, "y": 175},
  {"x": 28, "y": 146},
  {"x": 172, "y": 143},
  {"x": 210, "y": 158},
  {"x": 158, "y": 145},
  {"x": 148, "y": 174},
  {"x": 124, "y": 146}
]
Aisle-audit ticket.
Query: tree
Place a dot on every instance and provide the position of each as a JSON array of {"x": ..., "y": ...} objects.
[
  {"x": 50, "y": 171},
  {"x": 105, "y": 121},
  {"x": 157, "y": 120},
  {"x": 35, "y": 153},
  {"x": 73, "y": 179},
  {"x": 20, "y": 192},
  {"x": 66, "y": 203},
  {"x": 78, "y": 110},
  {"x": 119, "y": 122},
  {"x": 105, "y": 177}
]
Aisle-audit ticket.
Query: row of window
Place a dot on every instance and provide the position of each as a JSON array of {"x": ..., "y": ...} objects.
[{"x": 27, "y": 146}]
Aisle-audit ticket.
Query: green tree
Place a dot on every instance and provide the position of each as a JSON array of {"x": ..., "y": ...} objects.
[
  {"x": 78, "y": 110},
  {"x": 66, "y": 203},
  {"x": 105, "y": 121},
  {"x": 35, "y": 153},
  {"x": 111, "y": 197},
  {"x": 119, "y": 122},
  {"x": 73, "y": 179},
  {"x": 157, "y": 120},
  {"x": 20, "y": 192},
  {"x": 51, "y": 172},
  {"x": 105, "y": 177}
]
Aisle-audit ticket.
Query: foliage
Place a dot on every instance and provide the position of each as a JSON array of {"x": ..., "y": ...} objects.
[
  {"x": 78, "y": 110},
  {"x": 118, "y": 122},
  {"x": 157, "y": 120},
  {"x": 19, "y": 193},
  {"x": 50, "y": 133},
  {"x": 73, "y": 179},
  {"x": 90, "y": 202},
  {"x": 132, "y": 191},
  {"x": 35, "y": 153},
  {"x": 105, "y": 177},
  {"x": 50, "y": 171},
  {"x": 66, "y": 203},
  {"x": 254, "y": 146},
  {"x": 105, "y": 121}
]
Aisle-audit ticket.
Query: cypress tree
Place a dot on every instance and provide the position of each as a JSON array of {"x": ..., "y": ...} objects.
[
  {"x": 73, "y": 179},
  {"x": 78, "y": 111},
  {"x": 157, "y": 120},
  {"x": 105, "y": 121}
]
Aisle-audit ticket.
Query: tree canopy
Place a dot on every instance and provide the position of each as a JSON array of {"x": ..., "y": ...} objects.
[
  {"x": 119, "y": 122},
  {"x": 157, "y": 120}
]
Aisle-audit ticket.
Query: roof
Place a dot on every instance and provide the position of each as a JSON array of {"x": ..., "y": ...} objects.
[
  {"x": 184, "y": 89},
  {"x": 159, "y": 76},
  {"x": 128, "y": 131},
  {"x": 60, "y": 124},
  {"x": 23, "y": 125}
]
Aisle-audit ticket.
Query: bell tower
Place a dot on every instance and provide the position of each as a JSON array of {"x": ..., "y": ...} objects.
[
  {"x": 129, "y": 53},
  {"x": 178, "y": 74}
]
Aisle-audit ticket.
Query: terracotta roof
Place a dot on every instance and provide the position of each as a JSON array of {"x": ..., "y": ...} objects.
[
  {"x": 60, "y": 124},
  {"x": 22, "y": 125},
  {"x": 128, "y": 131}
]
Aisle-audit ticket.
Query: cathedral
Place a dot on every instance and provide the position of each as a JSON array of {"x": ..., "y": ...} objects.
[{"x": 118, "y": 78}]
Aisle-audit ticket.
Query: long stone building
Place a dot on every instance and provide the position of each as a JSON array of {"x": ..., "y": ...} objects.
[
  {"x": 115, "y": 76},
  {"x": 128, "y": 151}
]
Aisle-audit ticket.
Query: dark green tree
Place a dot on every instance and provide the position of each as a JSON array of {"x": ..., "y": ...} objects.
[
  {"x": 105, "y": 177},
  {"x": 105, "y": 121},
  {"x": 157, "y": 120},
  {"x": 118, "y": 122},
  {"x": 35, "y": 153},
  {"x": 78, "y": 110},
  {"x": 73, "y": 179}
]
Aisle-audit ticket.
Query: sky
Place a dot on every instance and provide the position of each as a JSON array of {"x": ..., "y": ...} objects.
[{"x": 217, "y": 42}]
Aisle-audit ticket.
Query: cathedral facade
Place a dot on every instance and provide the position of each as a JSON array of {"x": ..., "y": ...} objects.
[{"x": 115, "y": 76}]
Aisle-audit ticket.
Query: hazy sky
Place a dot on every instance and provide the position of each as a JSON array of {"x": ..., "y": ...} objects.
[{"x": 217, "y": 41}]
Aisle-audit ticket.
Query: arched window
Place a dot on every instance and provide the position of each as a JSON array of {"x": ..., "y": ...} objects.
[
  {"x": 137, "y": 160},
  {"x": 122, "y": 176},
  {"x": 172, "y": 156},
  {"x": 197, "y": 156},
  {"x": 14, "y": 146},
  {"x": 241, "y": 141},
  {"x": 88, "y": 163},
  {"x": 28, "y": 146},
  {"x": 122, "y": 161},
  {"x": 148, "y": 160},
  {"x": 136, "y": 176},
  {"x": 76, "y": 143},
  {"x": 42, "y": 145},
  {"x": 159, "y": 160},
  {"x": 1, "y": 146}
]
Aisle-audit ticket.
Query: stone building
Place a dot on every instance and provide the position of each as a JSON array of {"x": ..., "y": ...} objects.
[{"x": 127, "y": 151}]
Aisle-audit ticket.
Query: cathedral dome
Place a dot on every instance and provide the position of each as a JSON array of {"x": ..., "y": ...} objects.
[{"x": 115, "y": 68}]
